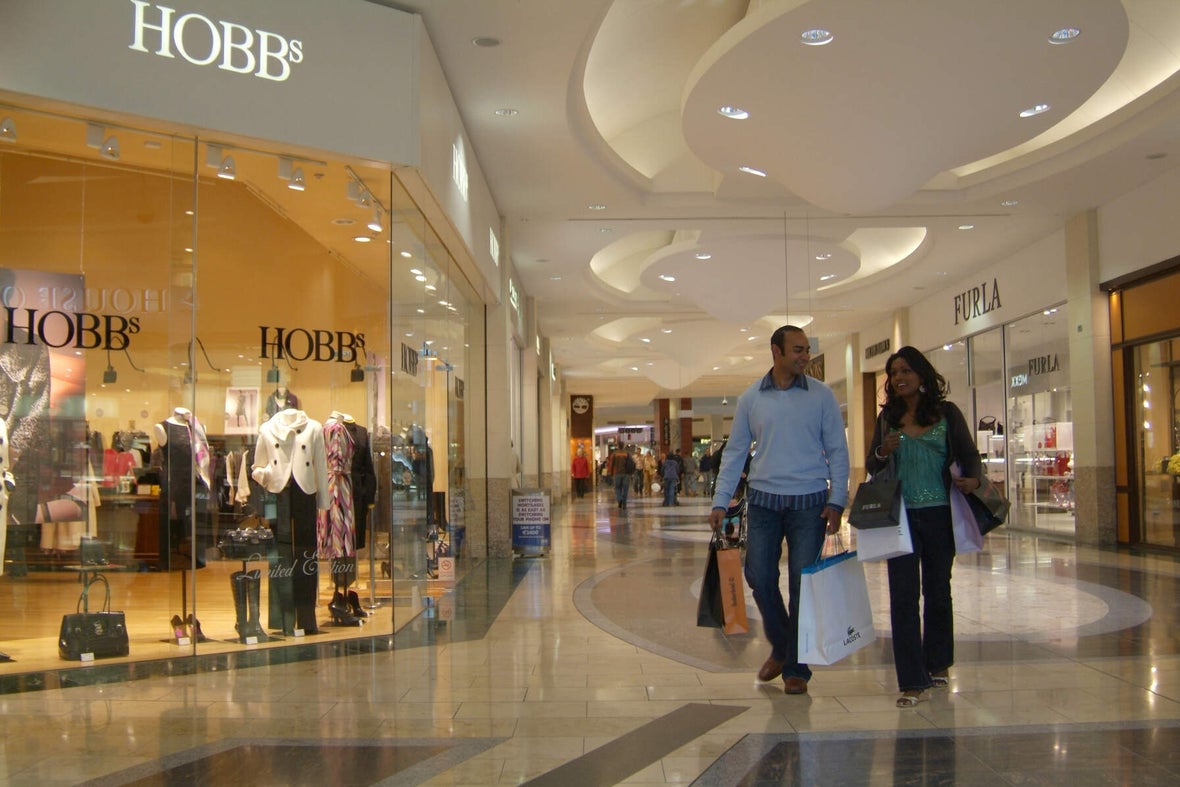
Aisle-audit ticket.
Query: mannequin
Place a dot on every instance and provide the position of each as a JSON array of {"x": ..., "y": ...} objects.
[
  {"x": 184, "y": 483},
  {"x": 281, "y": 399},
  {"x": 336, "y": 527},
  {"x": 290, "y": 462}
]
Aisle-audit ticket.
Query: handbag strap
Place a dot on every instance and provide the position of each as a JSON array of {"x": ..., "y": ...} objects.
[{"x": 83, "y": 604}]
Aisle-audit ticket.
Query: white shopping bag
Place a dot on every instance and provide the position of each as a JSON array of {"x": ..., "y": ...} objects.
[
  {"x": 967, "y": 536},
  {"x": 835, "y": 619},
  {"x": 882, "y": 543}
]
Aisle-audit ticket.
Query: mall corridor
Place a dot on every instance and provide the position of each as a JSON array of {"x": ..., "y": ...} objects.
[{"x": 585, "y": 667}]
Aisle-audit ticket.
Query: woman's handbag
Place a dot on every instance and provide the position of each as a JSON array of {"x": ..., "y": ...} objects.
[
  {"x": 989, "y": 506},
  {"x": 835, "y": 619},
  {"x": 101, "y": 634}
]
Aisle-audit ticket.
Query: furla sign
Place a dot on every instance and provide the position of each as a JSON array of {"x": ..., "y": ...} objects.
[{"x": 197, "y": 39}]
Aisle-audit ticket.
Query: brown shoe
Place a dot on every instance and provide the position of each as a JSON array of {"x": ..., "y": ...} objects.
[
  {"x": 771, "y": 669},
  {"x": 795, "y": 686}
]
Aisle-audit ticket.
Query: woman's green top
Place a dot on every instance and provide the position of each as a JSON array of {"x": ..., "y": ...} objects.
[{"x": 920, "y": 463}]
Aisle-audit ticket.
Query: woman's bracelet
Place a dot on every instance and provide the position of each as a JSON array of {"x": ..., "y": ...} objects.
[{"x": 877, "y": 453}]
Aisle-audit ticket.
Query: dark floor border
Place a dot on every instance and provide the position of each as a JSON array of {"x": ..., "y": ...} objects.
[{"x": 478, "y": 599}]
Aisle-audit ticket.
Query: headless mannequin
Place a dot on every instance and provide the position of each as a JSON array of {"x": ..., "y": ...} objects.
[
  {"x": 337, "y": 530},
  {"x": 179, "y": 487}
]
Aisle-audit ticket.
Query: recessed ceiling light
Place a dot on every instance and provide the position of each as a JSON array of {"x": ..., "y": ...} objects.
[
  {"x": 823, "y": 255},
  {"x": 485, "y": 41},
  {"x": 597, "y": 206},
  {"x": 415, "y": 271},
  {"x": 1034, "y": 110},
  {"x": 665, "y": 330},
  {"x": 507, "y": 112},
  {"x": 419, "y": 277},
  {"x": 966, "y": 226},
  {"x": 430, "y": 288},
  {"x": 554, "y": 278},
  {"x": 1156, "y": 156},
  {"x": 407, "y": 254},
  {"x": 1064, "y": 35},
  {"x": 704, "y": 255},
  {"x": 634, "y": 368},
  {"x": 362, "y": 239},
  {"x": 1010, "y": 203},
  {"x": 817, "y": 37},
  {"x": 343, "y": 222},
  {"x": 827, "y": 277},
  {"x": 645, "y": 340},
  {"x": 752, "y": 171},
  {"x": 743, "y": 330},
  {"x": 734, "y": 113},
  {"x": 420, "y": 311},
  {"x": 605, "y": 230},
  {"x": 666, "y": 277}
]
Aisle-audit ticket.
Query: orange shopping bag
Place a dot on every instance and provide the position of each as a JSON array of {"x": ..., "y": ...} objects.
[{"x": 733, "y": 591}]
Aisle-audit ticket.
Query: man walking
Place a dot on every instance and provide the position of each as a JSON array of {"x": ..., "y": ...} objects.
[{"x": 797, "y": 490}]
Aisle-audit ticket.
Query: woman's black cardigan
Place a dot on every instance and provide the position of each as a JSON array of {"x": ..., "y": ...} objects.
[{"x": 961, "y": 446}]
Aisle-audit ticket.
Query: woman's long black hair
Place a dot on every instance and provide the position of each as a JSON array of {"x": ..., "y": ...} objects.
[{"x": 929, "y": 401}]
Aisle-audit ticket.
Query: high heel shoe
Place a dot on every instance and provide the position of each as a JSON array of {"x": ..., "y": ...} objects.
[
  {"x": 354, "y": 603},
  {"x": 178, "y": 630},
  {"x": 194, "y": 626},
  {"x": 341, "y": 615}
]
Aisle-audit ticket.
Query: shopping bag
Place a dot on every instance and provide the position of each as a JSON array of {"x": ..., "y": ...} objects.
[
  {"x": 967, "y": 536},
  {"x": 876, "y": 504},
  {"x": 989, "y": 506},
  {"x": 733, "y": 590},
  {"x": 882, "y": 543},
  {"x": 835, "y": 618},
  {"x": 710, "y": 610}
]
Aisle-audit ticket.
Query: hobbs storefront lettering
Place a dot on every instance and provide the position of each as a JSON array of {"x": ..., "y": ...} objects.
[
  {"x": 82, "y": 330},
  {"x": 160, "y": 30},
  {"x": 301, "y": 344},
  {"x": 977, "y": 301}
]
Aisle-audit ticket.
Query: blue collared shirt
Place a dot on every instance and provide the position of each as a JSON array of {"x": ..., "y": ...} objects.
[{"x": 802, "y": 450}]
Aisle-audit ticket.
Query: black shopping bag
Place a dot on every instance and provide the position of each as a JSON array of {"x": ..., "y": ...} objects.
[
  {"x": 710, "y": 608},
  {"x": 876, "y": 504}
]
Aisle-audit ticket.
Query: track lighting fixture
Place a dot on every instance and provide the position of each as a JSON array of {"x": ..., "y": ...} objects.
[
  {"x": 223, "y": 164},
  {"x": 7, "y": 130},
  {"x": 358, "y": 373},
  {"x": 292, "y": 174},
  {"x": 375, "y": 222},
  {"x": 227, "y": 170},
  {"x": 297, "y": 182},
  {"x": 96, "y": 137}
]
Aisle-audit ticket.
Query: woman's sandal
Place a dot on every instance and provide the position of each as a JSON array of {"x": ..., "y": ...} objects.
[
  {"x": 910, "y": 699},
  {"x": 940, "y": 681}
]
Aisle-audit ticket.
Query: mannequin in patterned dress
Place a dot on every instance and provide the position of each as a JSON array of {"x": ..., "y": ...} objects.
[{"x": 336, "y": 527}]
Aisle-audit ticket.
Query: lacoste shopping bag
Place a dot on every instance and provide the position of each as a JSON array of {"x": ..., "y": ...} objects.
[{"x": 835, "y": 619}]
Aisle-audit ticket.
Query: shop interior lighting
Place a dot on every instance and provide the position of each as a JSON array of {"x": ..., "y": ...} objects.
[
  {"x": 96, "y": 137},
  {"x": 752, "y": 171},
  {"x": 227, "y": 170},
  {"x": 297, "y": 182},
  {"x": 224, "y": 164},
  {"x": 292, "y": 174},
  {"x": 375, "y": 222},
  {"x": 732, "y": 112},
  {"x": 8, "y": 130}
]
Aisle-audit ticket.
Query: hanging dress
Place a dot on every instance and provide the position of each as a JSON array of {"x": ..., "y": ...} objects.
[{"x": 336, "y": 527}]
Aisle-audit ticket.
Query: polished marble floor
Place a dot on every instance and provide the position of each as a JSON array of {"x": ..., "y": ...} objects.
[{"x": 586, "y": 667}]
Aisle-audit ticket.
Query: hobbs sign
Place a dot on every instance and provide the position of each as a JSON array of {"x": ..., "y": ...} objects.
[{"x": 159, "y": 30}]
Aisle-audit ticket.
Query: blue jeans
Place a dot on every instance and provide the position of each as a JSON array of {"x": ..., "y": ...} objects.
[
  {"x": 622, "y": 487},
  {"x": 669, "y": 491},
  {"x": 765, "y": 530},
  {"x": 923, "y": 644}
]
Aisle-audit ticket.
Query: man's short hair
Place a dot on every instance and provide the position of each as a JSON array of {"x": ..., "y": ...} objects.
[{"x": 779, "y": 337}]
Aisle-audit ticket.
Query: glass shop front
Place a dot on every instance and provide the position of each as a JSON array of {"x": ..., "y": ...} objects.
[{"x": 231, "y": 393}]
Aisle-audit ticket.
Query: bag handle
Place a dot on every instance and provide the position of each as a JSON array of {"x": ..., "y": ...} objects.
[{"x": 83, "y": 604}]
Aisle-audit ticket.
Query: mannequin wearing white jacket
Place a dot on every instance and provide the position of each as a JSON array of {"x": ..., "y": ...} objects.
[{"x": 290, "y": 462}]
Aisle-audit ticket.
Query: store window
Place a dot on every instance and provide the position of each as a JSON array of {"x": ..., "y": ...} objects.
[
  {"x": 204, "y": 342},
  {"x": 1040, "y": 422},
  {"x": 1157, "y": 440}
]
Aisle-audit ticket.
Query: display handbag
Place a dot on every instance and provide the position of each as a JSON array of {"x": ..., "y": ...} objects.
[
  {"x": 722, "y": 603},
  {"x": 835, "y": 618},
  {"x": 100, "y": 634}
]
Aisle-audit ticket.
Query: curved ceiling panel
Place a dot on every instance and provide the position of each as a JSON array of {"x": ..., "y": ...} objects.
[{"x": 863, "y": 122}]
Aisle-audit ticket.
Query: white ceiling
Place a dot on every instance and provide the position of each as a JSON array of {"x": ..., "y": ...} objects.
[{"x": 877, "y": 147}]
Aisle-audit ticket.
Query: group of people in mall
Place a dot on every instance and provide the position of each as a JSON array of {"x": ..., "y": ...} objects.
[{"x": 797, "y": 489}]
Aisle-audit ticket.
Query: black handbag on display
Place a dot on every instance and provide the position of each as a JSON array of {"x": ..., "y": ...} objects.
[
  {"x": 988, "y": 423},
  {"x": 91, "y": 552},
  {"x": 247, "y": 543},
  {"x": 102, "y": 634}
]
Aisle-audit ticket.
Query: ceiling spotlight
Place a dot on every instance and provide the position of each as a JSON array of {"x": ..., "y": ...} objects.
[
  {"x": 1034, "y": 110},
  {"x": 966, "y": 226},
  {"x": 8, "y": 130},
  {"x": 96, "y": 137},
  {"x": 724, "y": 401},
  {"x": 362, "y": 239},
  {"x": 823, "y": 255},
  {"x": 485, "y": 41},
  {"x": 734, "y": 113},
  {"x": 507, "y": 112},
  {"x": 1010, "y": 203},
  {"x": 704, "y": 255},
  {"x": 297, "y": 183},
  {"x": 827, "y": 277},
  {"x": 752, "y": 171},
  {"x": 1064, "y": 35},
  {"x": 375, "y": 223},
  {"x": 817, "y": 37},
  {"x": 227, "y": 170},
  {"x": 597, "y": 206},
  {"x": 666, "y": 277}
]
